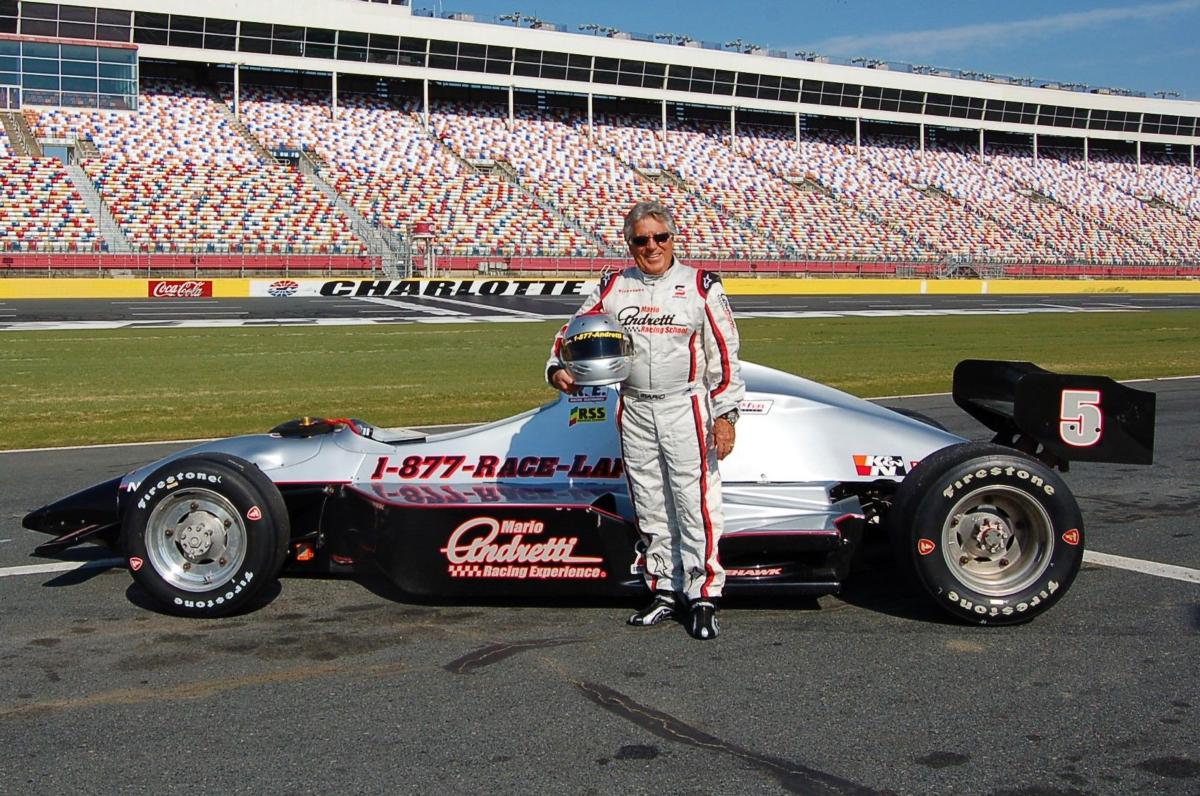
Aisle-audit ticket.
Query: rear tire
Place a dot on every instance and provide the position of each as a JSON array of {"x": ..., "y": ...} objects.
[
  {"x": 205, "y": 534},
  {"x": 993, "y": 536}
]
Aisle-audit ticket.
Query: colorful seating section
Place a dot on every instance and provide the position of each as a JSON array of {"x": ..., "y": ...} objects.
[
  {"x": 396, "y": 173},
  {"x": 164, "y": 205},
  {"x": 177, "y": 175},
  {"x": 174, "y": 121},
  {"x": 1115, "y": 199},
  {"x": 751, "y": 180},
  {"x": 40, "y": 209},
  {"x": 181, "y": 174}
]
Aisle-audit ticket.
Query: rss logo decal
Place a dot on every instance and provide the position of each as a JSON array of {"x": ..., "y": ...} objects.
[{"x": 587, "y": 414}]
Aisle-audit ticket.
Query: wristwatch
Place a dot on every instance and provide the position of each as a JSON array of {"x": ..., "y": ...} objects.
[{"x": 732, "y": 416}]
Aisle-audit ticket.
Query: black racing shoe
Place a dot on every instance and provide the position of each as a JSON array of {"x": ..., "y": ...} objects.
[
  {"x": 662, "y": 607},
  {"x": 702, "y": 623}
]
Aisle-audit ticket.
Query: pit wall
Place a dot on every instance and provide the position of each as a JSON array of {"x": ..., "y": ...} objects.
[{"x": 41, "y": 288}]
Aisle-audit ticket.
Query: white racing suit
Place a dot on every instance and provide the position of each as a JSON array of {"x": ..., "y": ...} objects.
[{"x": 685, "y": 373}]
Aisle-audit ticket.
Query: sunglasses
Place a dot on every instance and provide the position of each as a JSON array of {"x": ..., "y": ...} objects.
[{"x": 659, "y": 238}]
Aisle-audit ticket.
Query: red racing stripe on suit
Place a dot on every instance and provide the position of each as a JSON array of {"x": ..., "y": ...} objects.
[
  {"x": 710, "y": 541},
  {"x": 726, "y": 373}
]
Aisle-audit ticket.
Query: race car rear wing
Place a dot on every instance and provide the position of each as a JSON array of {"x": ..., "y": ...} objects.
[{"x": 1058, "y": 417}]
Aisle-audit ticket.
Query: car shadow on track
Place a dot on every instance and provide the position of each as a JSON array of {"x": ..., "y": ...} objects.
[{"x": 877, "y": 584}]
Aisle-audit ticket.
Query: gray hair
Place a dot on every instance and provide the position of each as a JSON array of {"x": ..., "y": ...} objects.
[{"x": 648, "y": 209}]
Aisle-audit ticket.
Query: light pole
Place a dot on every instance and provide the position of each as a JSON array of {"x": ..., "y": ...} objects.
[{"x": 592, "y": 27}]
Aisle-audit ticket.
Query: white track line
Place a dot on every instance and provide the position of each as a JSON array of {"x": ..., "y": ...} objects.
[
  {"x": 473, "y": 304},
  {"x": 1145, "y": 567},
  {"x": 61, "y": 566},
  {"x": 411, "y": 305}
]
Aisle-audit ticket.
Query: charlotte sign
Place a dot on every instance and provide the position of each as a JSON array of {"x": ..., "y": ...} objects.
[{"x": 431, "y": 288}]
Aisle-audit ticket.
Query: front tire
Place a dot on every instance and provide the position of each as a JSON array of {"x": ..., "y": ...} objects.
[
  {"x": 993, "y": 536},
  {"x": 205, "y": 534}
]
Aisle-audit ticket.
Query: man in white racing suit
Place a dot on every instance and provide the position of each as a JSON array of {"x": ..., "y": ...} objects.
[{"x": 676, "y": 415}]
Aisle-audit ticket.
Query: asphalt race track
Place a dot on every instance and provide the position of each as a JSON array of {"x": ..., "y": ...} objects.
[
  {"x": 343, "y": 686},
  {"x": 100, "y": 313}
]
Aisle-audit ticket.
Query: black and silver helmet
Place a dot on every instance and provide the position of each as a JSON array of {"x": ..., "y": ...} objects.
[{"x": 597, "y": 350}]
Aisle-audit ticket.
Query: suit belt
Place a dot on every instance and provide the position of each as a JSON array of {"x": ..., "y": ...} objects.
[{"x": 658, "y": 395}]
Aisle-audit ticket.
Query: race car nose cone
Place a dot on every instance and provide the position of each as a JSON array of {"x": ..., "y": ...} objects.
[
  {"x": 96, "y": 505},
  {"x": 36, "y": 520}
]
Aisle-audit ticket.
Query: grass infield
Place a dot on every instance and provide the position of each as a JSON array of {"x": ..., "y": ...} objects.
[{"x": 75, "y": 388}]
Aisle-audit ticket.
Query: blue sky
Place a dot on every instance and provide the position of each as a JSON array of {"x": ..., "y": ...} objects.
[{"x": 1146, "y": 46}]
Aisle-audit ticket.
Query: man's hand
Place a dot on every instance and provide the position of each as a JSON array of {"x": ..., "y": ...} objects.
[
  {"x": 563, "y": 381},
  {"x": 723, "y": 436}
]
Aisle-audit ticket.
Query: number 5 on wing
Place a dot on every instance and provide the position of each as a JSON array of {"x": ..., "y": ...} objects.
[{"x": 1080, "y": 421}]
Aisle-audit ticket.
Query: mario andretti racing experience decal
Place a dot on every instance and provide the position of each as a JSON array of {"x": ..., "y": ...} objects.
[
  {"x": 484, "y": 547},
  {"x": 554, "y": 543}
]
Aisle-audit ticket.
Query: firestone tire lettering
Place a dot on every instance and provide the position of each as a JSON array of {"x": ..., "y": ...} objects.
[
  {"x": 171, "y": 482},
  {"x": 265, "y": 539},
  {"x": 961, "y": 495},
  {"x": 1022, "y": 474}
]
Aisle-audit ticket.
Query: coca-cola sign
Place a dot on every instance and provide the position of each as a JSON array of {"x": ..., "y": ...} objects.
[{"x": 179, "y": 288}]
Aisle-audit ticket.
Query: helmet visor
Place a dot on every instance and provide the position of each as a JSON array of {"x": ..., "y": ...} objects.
[{"x": 599, "y": 344}]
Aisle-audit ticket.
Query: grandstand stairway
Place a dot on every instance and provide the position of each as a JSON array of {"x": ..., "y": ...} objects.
[
  {"x": 810, "y": 184},
  {"x": 380, "y": 242},
  {"x": 967, "y": 268},
  {"x": 315, "y": 161},
  {"x": 240, "y": 127},
  {"x": 662, "y": 177},
  {"x": 936, "y": 192},
  {"x": 1083, "y": 213},
  {"x": 1122, "y": 232},
  {"x": 85, "y": 148},
  {"x": 114, "y": 239},
  {"x": 20, "y": 136},
  {"x": 670, "y": 177},
  {"x": 508, "y": 173}
]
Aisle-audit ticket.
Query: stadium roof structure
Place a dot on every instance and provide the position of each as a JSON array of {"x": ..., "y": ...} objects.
[{"x": 381, "y": 39}]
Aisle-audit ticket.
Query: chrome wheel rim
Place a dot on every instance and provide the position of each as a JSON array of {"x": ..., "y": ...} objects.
[
  {"x": 998, "y": 540},
  {"x": 196, "y": 540}
]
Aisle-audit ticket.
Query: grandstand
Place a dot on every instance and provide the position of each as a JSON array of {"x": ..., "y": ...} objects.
[{"x": 335, "y": 136}]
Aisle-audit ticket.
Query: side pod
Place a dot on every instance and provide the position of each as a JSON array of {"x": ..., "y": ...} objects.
[{"x": 1059, "y": 417}]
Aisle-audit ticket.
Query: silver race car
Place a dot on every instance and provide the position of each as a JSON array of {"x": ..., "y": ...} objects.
[{"x": 537, "y": 504}]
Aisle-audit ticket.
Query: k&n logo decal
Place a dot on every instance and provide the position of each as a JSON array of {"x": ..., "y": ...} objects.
[{"x": 874, "y": 464}]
